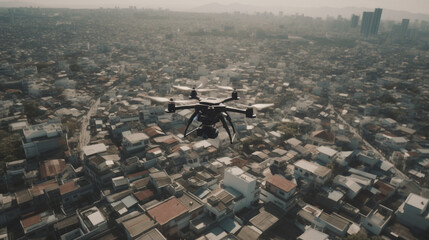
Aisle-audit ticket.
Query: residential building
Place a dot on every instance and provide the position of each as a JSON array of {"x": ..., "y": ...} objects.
[
  {"x": 135, "y": 142},
  {"x": 42, "y": 138},
  {"x": 38, "y": 224},
  {"x": 279, "y": 191},
  {"x": 92, "y": 221},
  {"x": 414, "y": 212},
  {"x": 244, "y": 183},
  {"x": 311, "y": 172}
]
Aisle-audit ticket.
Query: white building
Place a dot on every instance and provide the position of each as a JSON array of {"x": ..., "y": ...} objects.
[
  {"x": 92, "y": 221},
  {"x": 414, "y": 212},
  {"x": 279, "y": 191},
  {"x": 135, "y": 142},
  {"x": 313, "y": 234},
  {"x": 349, "y": 184},
  {"x": 244, "y": 183},
  {"x": 377, "y": 220},
  {"x": 326, "y": 154},
  {"x": 389, "y": 142},
  {"x": 42, "y": 138},
  {"x": 312, "y": 172}
]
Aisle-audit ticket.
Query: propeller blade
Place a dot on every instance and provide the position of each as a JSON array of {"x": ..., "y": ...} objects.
[
  {"x": 258, "y": 106},
  {"x": 165, "y": 100},
  {"x": 228, "y": 88},
  {"x": 158, "y": 99},
  {"x": 261, "y": 106},
  {"x": 206, "y": 90},
  {"x": 183, "y": 88}
]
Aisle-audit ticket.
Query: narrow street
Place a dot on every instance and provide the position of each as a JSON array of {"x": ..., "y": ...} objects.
[{"x": 85, "y": 134}]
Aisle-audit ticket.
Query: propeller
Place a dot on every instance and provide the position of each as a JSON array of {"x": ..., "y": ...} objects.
[
  {"x": 228, "y": 88},
  {"x": 185, "y": 88},
  {"x": 165, "y": 100},
  {"x": 259, "y": 106}
]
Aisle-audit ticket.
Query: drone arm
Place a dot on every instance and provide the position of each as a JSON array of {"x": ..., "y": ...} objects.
[
  {"x": 191, "y": 119},
  {"x": 175, "y": 108},
  {"x": 225, "y": 125},
  {"x": 234, "y": 96},
  {"x": 228, "y": 100},
  {"x": 249, "y": 111}
]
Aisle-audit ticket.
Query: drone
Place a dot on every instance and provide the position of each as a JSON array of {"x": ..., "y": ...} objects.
[{"x": 210, "y": 111}]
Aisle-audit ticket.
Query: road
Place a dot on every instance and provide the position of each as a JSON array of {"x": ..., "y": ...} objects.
[
  {"x": 353, "y": 130},
  {"x": 85, "y": 135}
]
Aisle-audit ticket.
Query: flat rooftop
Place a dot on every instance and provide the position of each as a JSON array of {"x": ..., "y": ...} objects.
[{"x": 167, "y": 210}]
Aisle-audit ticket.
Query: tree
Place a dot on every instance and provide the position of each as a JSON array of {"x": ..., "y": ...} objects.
[
  {"x": 31, "y": 110},
  {"x": 10, "y": 148},
  {"x": 252, "y": 140},
  {"x": 289, "y": 129}
]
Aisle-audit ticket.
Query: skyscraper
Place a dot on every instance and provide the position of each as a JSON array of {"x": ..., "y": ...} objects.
[
  {"x": 404, "y": 26},
  {"x": 371, "y": 22},
  {"x": 354, "y": 21},
  {"x": 375, "y": 21},
  {"x": 366, "y": 23}
]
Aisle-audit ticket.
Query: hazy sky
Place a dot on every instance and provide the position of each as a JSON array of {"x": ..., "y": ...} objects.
[{"x": 416, "y": 6}]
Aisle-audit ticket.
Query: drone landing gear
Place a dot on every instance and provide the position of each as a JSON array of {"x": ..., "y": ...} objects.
[{"x": 205, "y": 131}]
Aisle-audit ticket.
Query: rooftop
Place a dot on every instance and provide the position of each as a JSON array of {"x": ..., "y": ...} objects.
[
  {"x": 314, "y": 168},
  {"x": 30, "y": 221},
  {"x": 152, "y": 234},
  {"x": 50, "y": 168},
  {"x": 327, "y": 151},
  {"x": 138, "y": 225},
  {"x": 136, "y": 138},
  {"x": 68, "y": 187},
  {"x": 417, "y": 201},
  {"x": 167, "y": 210},
  {"x": 313, "y": 234},
  {"x": 93, "y": 149},
  {"x": 281, "y": 183}
]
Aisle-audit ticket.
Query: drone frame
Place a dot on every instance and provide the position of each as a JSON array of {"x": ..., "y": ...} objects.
[{"x": 216, "y": 110}]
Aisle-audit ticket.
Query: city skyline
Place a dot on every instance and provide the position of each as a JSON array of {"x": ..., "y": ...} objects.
[{"x": 414, "y": 6}]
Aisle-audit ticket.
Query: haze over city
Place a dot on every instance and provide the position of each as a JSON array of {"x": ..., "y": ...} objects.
[
  {"x": 227, "y": 120},
  {"x": 414, "y": 6}
]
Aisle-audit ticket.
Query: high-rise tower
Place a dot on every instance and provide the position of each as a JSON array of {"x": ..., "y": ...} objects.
[
  {"x": 366, "y": 23},
  {"x": 375, "y": 21},
  {"x": 371, "y": 22}
]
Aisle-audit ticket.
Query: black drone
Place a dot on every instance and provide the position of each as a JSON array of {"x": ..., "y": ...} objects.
[{"x": 210, "y": 111}]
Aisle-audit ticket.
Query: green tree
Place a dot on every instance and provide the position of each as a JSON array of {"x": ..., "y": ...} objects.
[
  {"x": 31, "y": 109},
  {"x": 252, "y": 140},
  {"x": 289, "y": 129},
  {"x": 10, "y": 148}
]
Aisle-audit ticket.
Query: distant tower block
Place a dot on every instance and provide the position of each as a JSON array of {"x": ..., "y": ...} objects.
[
  {"x": 354, "y": 21},
  {"x": 375, "y": 23},
  {"x": 404, "y": 26},
  {"x": 371, "y": 22},
  {"x": 366, "y": 23}
]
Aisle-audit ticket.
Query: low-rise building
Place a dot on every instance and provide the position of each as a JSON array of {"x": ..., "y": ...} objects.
[
  {"x": 414, "y": 212},
  {"x": 311, "y": 172},
  {"x": 92, "y": 221},
  {"x": 42, "y": 138},
  {"x": 243, "y": 183},
  {"x": 135, "y": 142},
  {"x": 39, "y": 224},
  {"x": 279, "y": 191}
]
